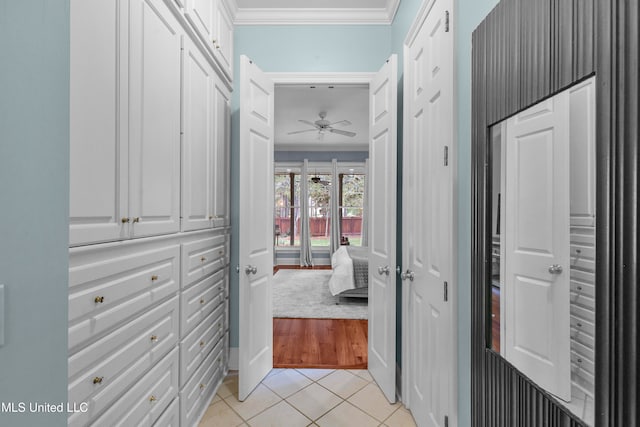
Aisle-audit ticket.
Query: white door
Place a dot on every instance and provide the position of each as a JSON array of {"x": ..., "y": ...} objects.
[
  {"x": 536, "y": 244},
  {"x": 154, "y": 128},
  {"x": 382, "y": 227},
  {"x": 197, "y": 138},
  {"x": 428, "y": 219},
  {"x": 98, "y": 122},
  {"x": 255, "y": 226}
]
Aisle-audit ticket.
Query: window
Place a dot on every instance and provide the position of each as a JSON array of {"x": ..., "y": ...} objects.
[
  {"x": 287, "y": 209},
  {"x": 351, "y": 207},
  {"x": 320, "y": 209}
]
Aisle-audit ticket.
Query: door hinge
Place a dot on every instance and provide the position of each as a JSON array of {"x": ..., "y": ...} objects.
[
  {"x": 446, "y": 291},
  {"x": 446, "y": 21},
  {"x": 446, "y": 155},
  {"x": 446, "y": 421}
]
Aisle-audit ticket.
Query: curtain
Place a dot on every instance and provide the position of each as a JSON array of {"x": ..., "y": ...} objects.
[
  {"x": 306, "y": 259},
  {"x": 334, "y": 241},
  {"x": 365, "y": 206}
]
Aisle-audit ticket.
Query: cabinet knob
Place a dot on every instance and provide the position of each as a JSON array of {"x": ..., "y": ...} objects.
[
  {"x": 220, "y": 252},
  {"x": 98, "y": 380},
  {"x": 201, "y": 300},
  {"x": 136, "y": 219},
  {"x": 125, "y": 220},
  {"x": 154, "y": 278},
  {"x": 210, "y": 217},
  {"x": 201, "y": 343},
  {"x": 152, "y": 398},
  {"x": 203, "y": 259},
  {"x": 154, "y": 338},
  {"x": 202, "y": 386},
  {"x": 98, "y": 300},
  {"x": 214, "y": 41}
]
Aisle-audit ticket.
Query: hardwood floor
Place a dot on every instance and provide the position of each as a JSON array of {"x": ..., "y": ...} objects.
[{"x": 320, "y": 343}]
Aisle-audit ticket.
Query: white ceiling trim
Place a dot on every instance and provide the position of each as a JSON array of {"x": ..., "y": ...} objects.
[
  {"x": 321, "y": 78},
  {"x": 315, "y": 16}
]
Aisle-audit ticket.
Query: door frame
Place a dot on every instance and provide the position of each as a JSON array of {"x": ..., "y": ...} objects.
[{"x": 421, "y": 16}]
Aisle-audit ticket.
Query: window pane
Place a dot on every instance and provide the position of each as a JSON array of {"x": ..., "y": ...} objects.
[
  {"x": 319, "y": 209},
  {"x": 286, "y": 229},
  {"x": 352, "y": 201}
]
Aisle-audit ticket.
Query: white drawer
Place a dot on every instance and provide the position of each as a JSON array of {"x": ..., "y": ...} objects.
[
  {"x": 196, "y": 395},
  {"x": 108, "y": 291},
  {"x": 171, "y": 415},
  {"x": 200, "y": 258},
  {"x": 198, "y": 301},
  {"x": 101, "y": 372},
  {"x": 143, "y": 403},
  {"x": 199, "y": 343}
]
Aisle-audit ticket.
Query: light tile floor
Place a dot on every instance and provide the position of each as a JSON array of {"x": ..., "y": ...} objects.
[{"x": 306, "y": 397}]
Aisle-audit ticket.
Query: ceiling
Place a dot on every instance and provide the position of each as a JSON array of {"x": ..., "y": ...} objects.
[
  {"x": 303, "y": 12},
  {"x": 305, "y": 102}
]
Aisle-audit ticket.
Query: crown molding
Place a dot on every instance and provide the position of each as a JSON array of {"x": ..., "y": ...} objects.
[{"x": 315, "y": 16}]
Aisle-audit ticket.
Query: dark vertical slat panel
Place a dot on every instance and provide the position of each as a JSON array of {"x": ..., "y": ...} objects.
[{"x": 583, "y": 37}]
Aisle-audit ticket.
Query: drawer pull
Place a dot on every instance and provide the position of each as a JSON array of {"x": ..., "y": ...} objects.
[
  {"x": 202, "y": 386},
  {"x": 154, "y": 338},
  {"x": 125, "y": 220},
  {"x": 211, "y": 217},
  {"x": 152, "y": 398},
  {"x": 579, "y": 325},
  {"x": 220, "y": 252},
  {"x": 136, "y": 219},
  {"x": 98, "y": 300},
  {"x": 201, "y": 300},
  {"x": 154, "y": 278},
  {"x": 203, "y": 259},
  {"x": 219, "y": 325},
  {"x": 98, "y": 380},
  {"x": 201, "y": 343}
]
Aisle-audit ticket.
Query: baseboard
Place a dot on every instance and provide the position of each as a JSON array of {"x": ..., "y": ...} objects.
[{"x": 234, "y": 358}]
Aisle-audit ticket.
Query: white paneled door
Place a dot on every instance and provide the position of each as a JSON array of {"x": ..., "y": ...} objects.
[
  {"x": 535, "y": 288},
  {"x": 429, "y": 218},
  {"x": 382, "y": 227},
  {"x": 255, "y": 226}
]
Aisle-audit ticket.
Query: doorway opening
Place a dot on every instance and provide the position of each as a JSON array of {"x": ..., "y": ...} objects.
[{"x": 316, "y": 123}]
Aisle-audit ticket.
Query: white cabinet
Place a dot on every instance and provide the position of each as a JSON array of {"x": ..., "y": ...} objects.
[
  {"x": 222, "y": 127},
  {"x": 198, "y": 139},
  {"x": 223, "y": 40},
  {"x": 125, "y": 120},
  {"x": 212, "y": 22},
  {"x": 98, "y": 121}
]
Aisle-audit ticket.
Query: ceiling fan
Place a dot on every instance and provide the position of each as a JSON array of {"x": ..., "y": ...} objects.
[{"x": 323, "y": 125}]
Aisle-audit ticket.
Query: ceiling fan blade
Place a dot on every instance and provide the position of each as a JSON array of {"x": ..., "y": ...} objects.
[
  {"x": 342, "y": 132},
  {"x": 302, "y": 131},
  {"x": 342, "y": 123},
  {"x": 307, "y": 122}
]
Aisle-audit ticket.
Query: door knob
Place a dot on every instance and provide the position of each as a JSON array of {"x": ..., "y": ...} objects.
[
  {"x": 250, "y": 269},
  {"x": 383, "y": 270},
  {"x": 555, "y": 269},
  {"x": 407, "y": 275}
]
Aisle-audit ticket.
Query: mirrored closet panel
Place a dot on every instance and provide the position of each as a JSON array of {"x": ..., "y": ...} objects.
[{"x": 542, "y": 237}]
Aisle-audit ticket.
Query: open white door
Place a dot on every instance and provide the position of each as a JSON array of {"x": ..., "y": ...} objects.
[
  {"x": 536, "y": 283},
  {"x": 382, "y": 227},
  {"x": 255, "y": 226},
  {"x": 428, "y": 227}
]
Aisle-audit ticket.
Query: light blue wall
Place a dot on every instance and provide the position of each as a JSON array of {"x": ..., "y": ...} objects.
[
  {"x": 34, "y": 198},
  {"x": 316, "y": 48}
]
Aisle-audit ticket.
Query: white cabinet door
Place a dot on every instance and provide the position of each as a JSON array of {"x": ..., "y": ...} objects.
[
  {"x": 198, "y": 139},
  {"x": 98, "y": 122},
  {"x": 223, "y": 40},
  {"x": 154, "y": 127},
  {"x": 382, "y": 227},
  {"x": 222, "y": 126},
  {"x": 256, "y": 226},
  {"x": 201, "y": 14}
]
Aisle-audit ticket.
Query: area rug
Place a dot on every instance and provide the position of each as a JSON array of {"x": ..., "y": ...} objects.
[{"x": 305, "y": 293}]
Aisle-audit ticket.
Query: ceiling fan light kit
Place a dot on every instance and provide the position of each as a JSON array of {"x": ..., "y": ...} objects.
[{"x": 323, "y": 125}]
